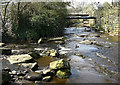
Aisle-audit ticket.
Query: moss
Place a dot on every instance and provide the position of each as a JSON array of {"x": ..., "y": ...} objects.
[{"x": 65, "y": 73}]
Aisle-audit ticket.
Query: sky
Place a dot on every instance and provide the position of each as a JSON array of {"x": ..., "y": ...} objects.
[
  {"x": 89, "y": 1},
  {"x": 76, "y": 2}
]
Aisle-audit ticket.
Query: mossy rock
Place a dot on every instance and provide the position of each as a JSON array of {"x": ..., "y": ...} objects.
[
  {"x": 59, "y": 64},
  {"x": 65, "y": 73}
]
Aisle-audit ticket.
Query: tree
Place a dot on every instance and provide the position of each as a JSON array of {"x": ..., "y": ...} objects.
[
  {"x": 4, "y": 15},
  {"x": 31, "y": 21}
]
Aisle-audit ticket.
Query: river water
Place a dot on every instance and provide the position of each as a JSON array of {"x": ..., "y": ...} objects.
[{"x": 92, "y": 69}]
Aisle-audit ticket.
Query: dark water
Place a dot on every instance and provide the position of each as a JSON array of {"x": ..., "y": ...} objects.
[{"x": 92, "y": 69}]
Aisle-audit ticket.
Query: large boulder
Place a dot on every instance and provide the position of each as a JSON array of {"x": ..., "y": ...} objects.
[
  {"x": 5, "y": 77},
  {"x": 59, "y": 64},
  {"x": 33, "y": 76},
  {"x": 20, "y": 58},
  {"x": 64, "y": 73},
  {"x": 5, "y": 51}
]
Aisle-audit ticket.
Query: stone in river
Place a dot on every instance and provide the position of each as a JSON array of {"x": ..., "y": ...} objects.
[
  {"x": 64, "y": 73},
  {"x": 20, "y": 58},
  {"x": 59, "y": 64},
  {"x": 33, "y": 76}
]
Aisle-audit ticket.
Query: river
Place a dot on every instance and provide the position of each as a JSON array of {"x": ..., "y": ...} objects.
[{"x": 91, "y": 69}]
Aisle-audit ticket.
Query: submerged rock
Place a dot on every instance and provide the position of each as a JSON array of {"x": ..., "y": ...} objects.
[
  {"x": 33, "y": 76},
  {"x": 5, "y": 77},
  {"x": 20, "y": 58},
  {"x": 59, "y": 64},
  {"x": 64, "y": 73},
  {"x": 35, "y": 55},
  {"x": 47, "y": 78},
  {"x": 5, "y": 51},
  {"x": 32, "y": 66}
]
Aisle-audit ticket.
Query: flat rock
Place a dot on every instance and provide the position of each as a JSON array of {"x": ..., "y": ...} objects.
[{"x": 19, "y": 58}]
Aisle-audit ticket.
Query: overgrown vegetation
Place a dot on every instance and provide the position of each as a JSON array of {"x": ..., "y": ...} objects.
[
  {"x": 30, "y": 21},
  {"x": 107, "y": 16}
]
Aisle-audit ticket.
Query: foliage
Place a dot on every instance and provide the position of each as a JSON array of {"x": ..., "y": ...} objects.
[{"x": 30, "y": 21}]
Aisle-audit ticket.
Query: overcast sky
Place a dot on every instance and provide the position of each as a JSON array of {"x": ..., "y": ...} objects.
[
  {"x": 76, "y": 2},
  {"x": 89, "y": 1}
]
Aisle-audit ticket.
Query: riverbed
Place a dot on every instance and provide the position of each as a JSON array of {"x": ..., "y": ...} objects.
[{"x": 90, "y": 69}]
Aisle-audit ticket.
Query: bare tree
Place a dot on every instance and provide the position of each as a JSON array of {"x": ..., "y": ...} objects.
[{"x": 3, "y": 12}]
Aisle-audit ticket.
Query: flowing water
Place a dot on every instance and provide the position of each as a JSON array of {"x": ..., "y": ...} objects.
[{"x": 92, "y": 69}]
